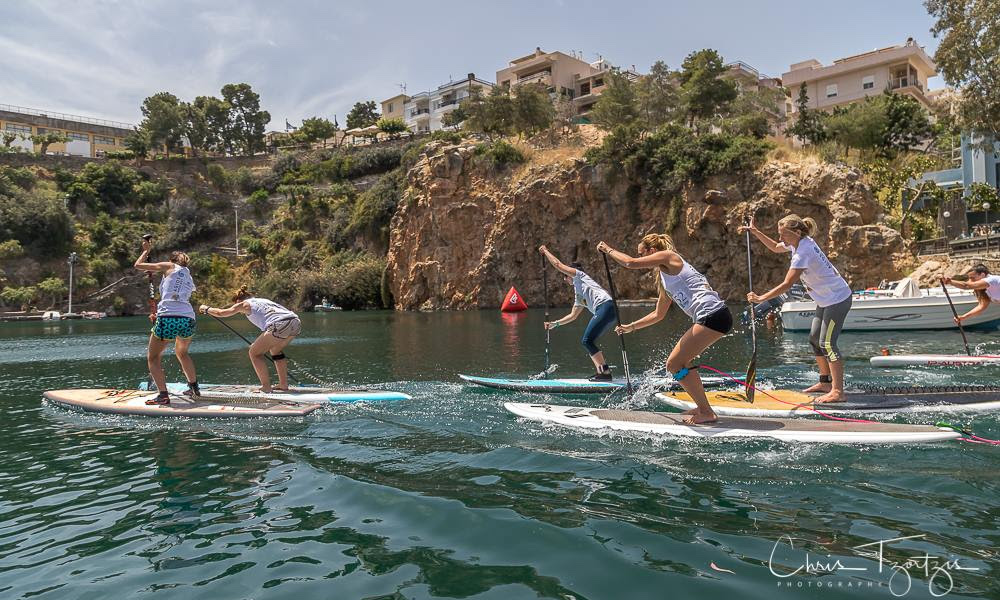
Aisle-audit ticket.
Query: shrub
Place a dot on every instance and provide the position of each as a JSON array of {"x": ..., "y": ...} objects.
[
  {"x": 218, "y": 177},
  {"x": 11, "y": 249},
  {"x": 258, "y": 201},
  {"x": 38, "y": 221},
  {"x": 375, "y": 159},
  {"x": 500, "y": 153},
  {"x": 120, "y": 155},
  {"x": 285, "y": 163},
  {"x": 20, "y": 297},
  {"x": 452, "y": 137},
  {"x": 244, "y": 180},
  {"x": 22, "y": 177},
  {"x": 375, "y": 206}
]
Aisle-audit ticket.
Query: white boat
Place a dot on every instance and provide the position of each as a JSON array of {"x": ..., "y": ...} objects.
[
  {"x": 906, "y": 306},
  {"x": 51, "y": 315},
  {"x": 326, "y": 308}
]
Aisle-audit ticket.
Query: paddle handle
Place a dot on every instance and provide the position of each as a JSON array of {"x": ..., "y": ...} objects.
[
  {"x": 618, "y": 319},
  {"x": 965, "y": 340}
]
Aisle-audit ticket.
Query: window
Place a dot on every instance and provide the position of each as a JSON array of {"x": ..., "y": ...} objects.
[
  {"x": 15, "y": 128},
  {"x": 42, "y": 131},
  {"x": 831, "y": 90},
  {"x": 101, "y": 139},
  {"x": 868, "y": 82},
  {"x": 584, "y": 89},
  {"x": 79, "y": 137},
  {"x": 599, "y": 82},
  {"x": 390, "y": 107}
]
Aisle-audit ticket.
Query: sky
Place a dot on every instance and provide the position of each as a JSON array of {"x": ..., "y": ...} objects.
[{"x": 100, "y": 58}]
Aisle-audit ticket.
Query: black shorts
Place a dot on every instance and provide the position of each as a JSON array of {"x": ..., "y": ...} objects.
[{"x": 721, "y": 321}]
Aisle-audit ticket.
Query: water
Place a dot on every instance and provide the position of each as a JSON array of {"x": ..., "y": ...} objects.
[{"x": 448, "y": 495}]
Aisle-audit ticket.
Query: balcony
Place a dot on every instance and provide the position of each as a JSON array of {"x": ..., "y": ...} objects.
[
  {"x": 543, "y": 77},
  {"x": 415, "y": 113},
  {"x": 450, "y": 102},
  {"x": 905, "y": 82}
]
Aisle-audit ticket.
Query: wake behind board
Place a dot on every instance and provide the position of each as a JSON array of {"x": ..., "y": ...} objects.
[
  {"x": 933, "y": 360},
  {"x": 575, "y": 386},
  {"x": 791, "y": 430},
  {"x": 133, "y": 402},
  {"x": 306, "y": 395},
  {"x": 788, "y": 403}
]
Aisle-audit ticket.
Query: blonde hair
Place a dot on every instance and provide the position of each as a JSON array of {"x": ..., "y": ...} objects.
[
  {"x": 242, "y": 294},
  {"x": 179, "y": 258},
  {"x": 803, "y": 227},
  {"x": 658, "y": 241}
]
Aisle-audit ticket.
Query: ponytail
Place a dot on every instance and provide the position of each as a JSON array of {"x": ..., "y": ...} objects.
[
  {"x": 802, "y": 226},
  {"x": 658, "y": 242},
  {"x": 242, "y": 294}
]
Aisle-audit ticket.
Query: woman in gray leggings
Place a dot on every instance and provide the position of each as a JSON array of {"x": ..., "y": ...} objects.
[{"x": 830, "y": 291}]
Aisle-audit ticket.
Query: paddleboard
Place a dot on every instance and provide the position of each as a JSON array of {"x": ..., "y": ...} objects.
[
  {"x": 133, "y": 402},
  {"x": 305, "y": 395},
  {"x": 792, "y": 430},
  {"x": 576, "y": 386},
  {"x": 785, "y": 402},
  {"x": 933, "y": 360}
]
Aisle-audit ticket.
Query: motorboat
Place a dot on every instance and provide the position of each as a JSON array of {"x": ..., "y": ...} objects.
[{"x": 902, "y": 306}]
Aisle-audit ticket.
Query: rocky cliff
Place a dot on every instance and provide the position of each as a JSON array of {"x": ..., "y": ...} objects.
[{"x": 465, "y": 233}]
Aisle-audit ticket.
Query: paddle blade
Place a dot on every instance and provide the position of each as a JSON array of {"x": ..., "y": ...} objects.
[
  {"x": 751, "y": 378},
  {"x": 545, "y": 373}
]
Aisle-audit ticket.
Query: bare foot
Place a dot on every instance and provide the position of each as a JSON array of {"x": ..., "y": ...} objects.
[
  {"x": 689, "y": 411},
  {"x": 701, "y": 418},
  {"x": 819, "y": 387},
  {"x": 830, "y": 397}
]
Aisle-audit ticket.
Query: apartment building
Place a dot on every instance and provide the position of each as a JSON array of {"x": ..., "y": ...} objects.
[
  {"x": 572, "y": 77},
  {"x": 87, "y": 136},
  {"x": 392, "y": 108},
  {"x": 425, "y": 111},
  {"x": 903, "y": 69}
]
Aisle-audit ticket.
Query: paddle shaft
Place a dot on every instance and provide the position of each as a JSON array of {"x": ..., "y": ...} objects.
[
  {"x": 752, "y": 366},
  {"x": 965, "y": 340},
  {"x": 618, "y": 318},
  {"x": 545, "y": 293}
]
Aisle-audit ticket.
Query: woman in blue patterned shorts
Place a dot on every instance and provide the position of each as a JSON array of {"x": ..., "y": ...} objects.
[{"x": 175, "y": 320}]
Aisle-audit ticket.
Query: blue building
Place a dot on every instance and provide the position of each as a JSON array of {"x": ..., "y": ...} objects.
[{"x": 977, "y": 166}]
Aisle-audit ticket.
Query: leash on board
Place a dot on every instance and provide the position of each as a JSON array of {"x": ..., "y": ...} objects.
[
  {"x": 970, "y": 437},
  {"x": 291, "y": 365}
]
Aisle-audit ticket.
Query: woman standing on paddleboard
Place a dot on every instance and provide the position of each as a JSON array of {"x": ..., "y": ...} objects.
[
  {"x": 679, "y": 282},
  {"x": 175, "y": 320},
  {"x": 827, "y": 288},
  {"x": 278, "y": 327},
  {"x": 986, "y": 287},
  {"x": 591, "y": 296}
]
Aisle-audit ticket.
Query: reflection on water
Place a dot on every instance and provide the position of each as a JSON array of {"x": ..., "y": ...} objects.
[{"x": 447, "y": 495}]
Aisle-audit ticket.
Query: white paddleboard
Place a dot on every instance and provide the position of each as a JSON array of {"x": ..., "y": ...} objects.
[
  {"x": 791, "y": 430},
  {"x": 933, "y": 360},
  {"x": 577, "y": 386},
  {"x": 133, "y": 402},
  {"x": 305, "y": 395}
]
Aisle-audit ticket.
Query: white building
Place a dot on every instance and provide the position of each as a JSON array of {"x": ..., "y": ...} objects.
[{"x": 423, "y": 112}]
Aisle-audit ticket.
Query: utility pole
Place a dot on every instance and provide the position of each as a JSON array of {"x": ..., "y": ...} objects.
[
  {"x": 73, "y": 259},
  {"x": 236, "y": 207}
]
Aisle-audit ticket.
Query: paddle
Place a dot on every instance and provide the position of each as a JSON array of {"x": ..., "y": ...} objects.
[
  {"x": 955, "y": 312},
  {"x": 545, "y": 293},
  {"x": 152, "y": 288},
  {"x": 752, "y": 367},
  {"x": 618, "y": 318}
]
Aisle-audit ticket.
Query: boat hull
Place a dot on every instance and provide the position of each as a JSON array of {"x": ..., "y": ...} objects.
[{"x": 895, "y": 314}]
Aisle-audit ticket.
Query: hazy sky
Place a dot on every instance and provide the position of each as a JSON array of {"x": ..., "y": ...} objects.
[{"x": 101, "y": 58}]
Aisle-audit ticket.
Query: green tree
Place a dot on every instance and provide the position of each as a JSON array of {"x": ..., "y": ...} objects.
[
  {"x": 967, "y": 58},
  {"x": 44, "y": 140},
  {"x": 363, "y": 114},
  {"x": 455, "y": 117},
  {"x": 21, "y": 297},
  {"x": 205, "y": 122},
  {"x": 907, "y": 123},
  {"x": 618, "y": 105},
  {"x": 860, "y": 125},
  {"x": 11, "y": 249},
  {"x": 704, "y": 92},
  {"x": 809, "y": 124},
  {"x": 533, "y": 109},
  {"x": 657, "y": 95},
  {"x": 392, "y": 127},
  {"x": 138, "y": 143},
  {"x": 164, "y": 121},
  {"x": 493, "y": 115},
  {"x": 103, "y": 186},
  {"x": 53, "y": 287},
  {"x": 9, "y": 138},
  {"x": 755, "y": 113},
  {"x": 246, "y": 121},
  {"x": 315, "y": 129}
]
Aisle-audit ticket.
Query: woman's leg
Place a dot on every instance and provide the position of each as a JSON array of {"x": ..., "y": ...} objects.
[
  {"x": 692, "y": 343},
  {"x": 153, "y": 354},
  {"x": 257, "y": 349},
  {"x": 181, "y": 346},
  {"x": 281, "y": 364},
  {"x": 833, "y": 322},
  {"x": 815, "y": 332},
  {"x": 600, "y": 323}
]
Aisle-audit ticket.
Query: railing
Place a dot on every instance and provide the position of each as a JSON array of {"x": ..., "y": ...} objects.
[
  {"x": 742, "y": 66},
  {"x": 449, "y": 102},
  {"x": 934, "y": 246},
  {"x": 902, "y": 82},
  {"x": 539, "y": 77},
  {"x": 416, "y": 112},
  {"x": 67, "y": 117}
]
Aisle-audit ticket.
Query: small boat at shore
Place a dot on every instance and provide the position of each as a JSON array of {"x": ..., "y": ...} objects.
[
  {"x": 326, "y": 308},
  {"x": 905, "y": 306}
]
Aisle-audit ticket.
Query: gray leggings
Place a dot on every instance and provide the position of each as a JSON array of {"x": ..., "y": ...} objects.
[{"x": 825, "y": 329}]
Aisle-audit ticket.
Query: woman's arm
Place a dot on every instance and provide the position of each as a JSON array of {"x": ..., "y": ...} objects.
[
  {"x": 791, "y": 278},
  {"x": 984, "y": 303},
  {"x": 573, "y": 314},
  {"x": 239, "y": 307},
  {"x": 142, "y": 265},
  {"x": 663, "y": 303},
  {"x": 656, "y": 259},
  {"x": 771, "y": 245},
  {"x": 982, "y": 284},
  {"x": 570, "y": 271}
]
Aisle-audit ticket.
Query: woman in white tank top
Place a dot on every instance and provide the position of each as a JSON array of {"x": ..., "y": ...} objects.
[
  {"x": 278, "y": 327},
  {"x": 173, "y": 319},
  {"x": 680, "y": 283}
]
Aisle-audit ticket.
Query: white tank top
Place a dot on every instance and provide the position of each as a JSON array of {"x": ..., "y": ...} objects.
[
  {"x": 993, "y": 291},
  {"x": 690, "y": 290},
  {"x": 264, "y": 313},
  {"x": 175, "y": 294}
]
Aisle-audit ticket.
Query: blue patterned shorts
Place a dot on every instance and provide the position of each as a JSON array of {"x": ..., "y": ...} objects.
[{"x": 168, "y": 328}]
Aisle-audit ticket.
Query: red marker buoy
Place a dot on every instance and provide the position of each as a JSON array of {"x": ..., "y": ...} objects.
[{"x": 513, "y": 302}]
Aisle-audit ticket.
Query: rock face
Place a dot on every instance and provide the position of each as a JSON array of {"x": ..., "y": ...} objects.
[{"x": 464, "y": 234}]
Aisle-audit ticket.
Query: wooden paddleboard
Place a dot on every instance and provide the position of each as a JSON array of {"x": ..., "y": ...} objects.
[
  {"x": 577, "y": 386},
  {"x": 298, "y": 394},
  {"x": 133, "y": 402},
  {"x": 792, "y": 430}
]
